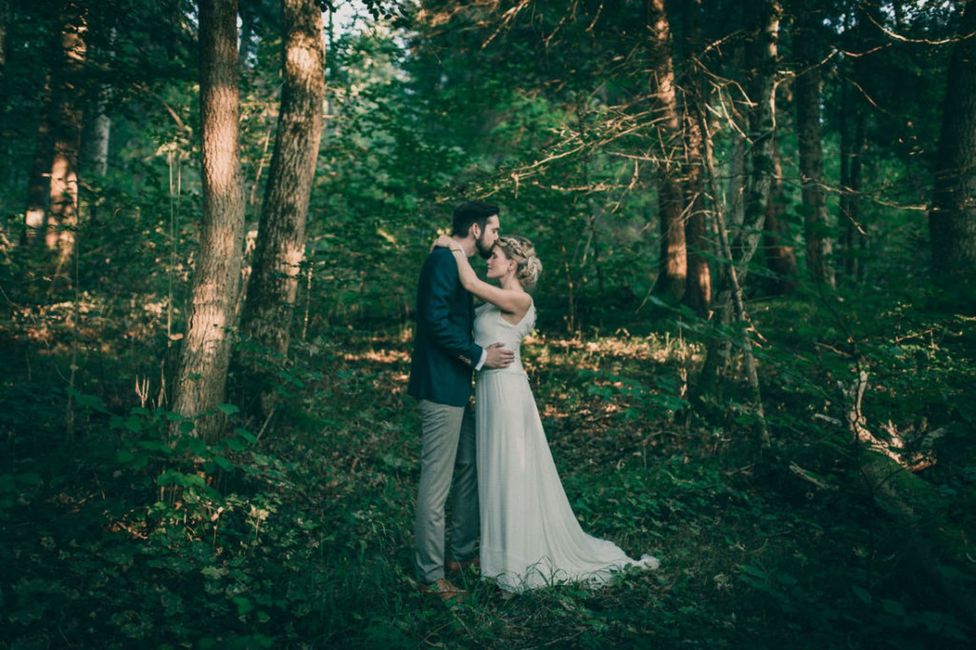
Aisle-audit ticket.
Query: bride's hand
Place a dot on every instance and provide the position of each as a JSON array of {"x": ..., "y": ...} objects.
[{"x": 442, "y": 242}]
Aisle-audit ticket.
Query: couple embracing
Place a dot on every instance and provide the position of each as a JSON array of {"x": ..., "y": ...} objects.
[{"x": 493, "y": 460}]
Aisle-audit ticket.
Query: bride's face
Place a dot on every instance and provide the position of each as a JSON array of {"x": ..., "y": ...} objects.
[{"x": 499, "y": 265}]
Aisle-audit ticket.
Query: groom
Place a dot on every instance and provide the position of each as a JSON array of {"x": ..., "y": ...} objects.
[{"x": 444, "y": 355}]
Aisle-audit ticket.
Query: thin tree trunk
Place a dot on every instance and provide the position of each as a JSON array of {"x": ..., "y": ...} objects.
[
  {"x": 738, "y": 173},
  {"x": 698, "y": 290},
  {"x": 4, "y": 22},
  {"x": 62, "y": 221},
  {"x": 673, "y": 265},
  {"x": 764, "y": 57},
  {"x": 205, "y": 356},
  {"x": 280, "y": 247},
  {"x": 98, "y": 125},
  {"x": 952, "y": 219},
  {"x": 735, "y": 289},
  {"x": 808, "y": 96},
  {"x": 852, "y": 145},
  {"x": 98, "y": 133},
  {"x": 780, "y": 256}
]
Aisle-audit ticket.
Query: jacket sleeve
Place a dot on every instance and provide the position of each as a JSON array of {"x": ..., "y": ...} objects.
[{"x": 439, "y": 283}]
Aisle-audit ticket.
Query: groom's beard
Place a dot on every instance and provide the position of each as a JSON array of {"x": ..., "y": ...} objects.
[{"x": 483, "y": 251}]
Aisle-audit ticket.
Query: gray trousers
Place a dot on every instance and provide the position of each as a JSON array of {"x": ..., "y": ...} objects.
[{"x": 447, "y": 464}]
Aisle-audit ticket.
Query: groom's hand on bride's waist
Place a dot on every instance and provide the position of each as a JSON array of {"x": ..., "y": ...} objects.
[{"x": 498, "y": 356}]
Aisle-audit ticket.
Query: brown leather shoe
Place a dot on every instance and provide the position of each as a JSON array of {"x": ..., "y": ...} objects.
[
  {"x": 444, "y": 589},
  {"x": 456, "y": 567}
]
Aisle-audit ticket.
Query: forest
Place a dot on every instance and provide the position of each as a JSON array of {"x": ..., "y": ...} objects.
[{"x": 755, "y": 354}]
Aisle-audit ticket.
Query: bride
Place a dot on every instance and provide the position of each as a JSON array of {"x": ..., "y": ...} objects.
[{"x": 529, "y": 535}]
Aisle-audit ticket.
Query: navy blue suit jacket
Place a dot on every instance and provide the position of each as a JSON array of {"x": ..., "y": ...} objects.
[{"x": 444, "y": 352}]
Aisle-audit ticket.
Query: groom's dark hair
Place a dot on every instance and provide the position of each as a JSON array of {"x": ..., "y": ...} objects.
[{"x": 471, "y": 212}]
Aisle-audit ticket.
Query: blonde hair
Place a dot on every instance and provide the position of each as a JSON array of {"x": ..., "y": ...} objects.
[{"x": 522, "y": 252}]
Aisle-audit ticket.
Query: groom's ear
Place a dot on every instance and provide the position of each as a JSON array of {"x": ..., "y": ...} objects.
[{"x": 475, "y": 231}]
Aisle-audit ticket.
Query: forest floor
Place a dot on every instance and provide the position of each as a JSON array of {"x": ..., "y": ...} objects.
[{"x": 297, "y": 532}]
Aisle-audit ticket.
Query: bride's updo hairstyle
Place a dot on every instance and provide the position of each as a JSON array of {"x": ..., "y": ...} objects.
[{"x": 522, "y": 252}]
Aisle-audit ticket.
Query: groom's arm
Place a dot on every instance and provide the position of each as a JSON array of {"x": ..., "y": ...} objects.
[{"x": 438, "y": 286}]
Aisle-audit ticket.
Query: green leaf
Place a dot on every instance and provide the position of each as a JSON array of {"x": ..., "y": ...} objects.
[
  {"x": 862, "y": 594},
  {"x": 892, "y": 607},
  {"x": 228, "y": 409},
  {"x": 244, "y": 605}
]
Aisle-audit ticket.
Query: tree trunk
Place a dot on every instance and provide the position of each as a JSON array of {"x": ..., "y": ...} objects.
[
  {"x": 780, "y": 256},
  {"x": 281, "y": 234},
  {"x": 808, "y": 96},
  {"x": 98, "y": 125},
  {"x": 952, "y": 219},
  {"x": 98, "y": 132},
  {"x": 735, "y": 292},
  {"x": 673, "y": 271},
  {"x": 206, "y": 349},
  {"x": 852, "y": 144},
  {"x": 62, "y": 220},
  {"x": 698, "y": 290},
  {"x": 38, "y": 183},
  {"x": 4, "y": 22},
  {"x": 764, "y": 59}
]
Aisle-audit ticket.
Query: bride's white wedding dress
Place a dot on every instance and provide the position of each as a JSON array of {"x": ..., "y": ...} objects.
[{"x": 529, "y": 535}]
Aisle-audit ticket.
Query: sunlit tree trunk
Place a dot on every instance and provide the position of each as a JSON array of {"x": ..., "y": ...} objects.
[
  {"x": 62, "y": 220},
  {"x": 673, "y": 271},
  {"x": 698, "y": 290},
  {"x": 38, "y": 178},
  {"x": 206, "y": 349},
  {"x": 952, "y": 219},
  {"x": 808, "y": 97},
  {"x": 780, "y": 256},
  {"x": 281, "y": 234}
]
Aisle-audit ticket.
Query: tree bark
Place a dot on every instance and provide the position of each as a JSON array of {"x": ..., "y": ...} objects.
[
  {"x": 673, "y": 265},
  {"x": 62, "y": 222},
  {"x": 38, "y": 179},
  {"x": 808, "y": 96},
  {"x": 853, "y": 141},
  {"x": 780, "y": 256},
  {"x": 952, "y": 219},
  {"x": 98, "y": 125},
  {"x": 4, "y": 22},
  {"x": 736, "y": 294},
  {"x": 281, "y": 234},
  {"x": 698, "y": 290},
  {"x": 98, "y": 132},
  {"x": 764, "y": 58},
  {"x": 206, "y": 349}
]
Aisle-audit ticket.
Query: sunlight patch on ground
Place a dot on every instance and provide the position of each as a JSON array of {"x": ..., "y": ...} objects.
[
  {"x": 591, "y": 355},
  {"x": 379, "y": 356},
  {"x": 100, "y": 323}
]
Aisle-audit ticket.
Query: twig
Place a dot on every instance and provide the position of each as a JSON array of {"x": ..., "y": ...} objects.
[{"x": 266, "y": 421}]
